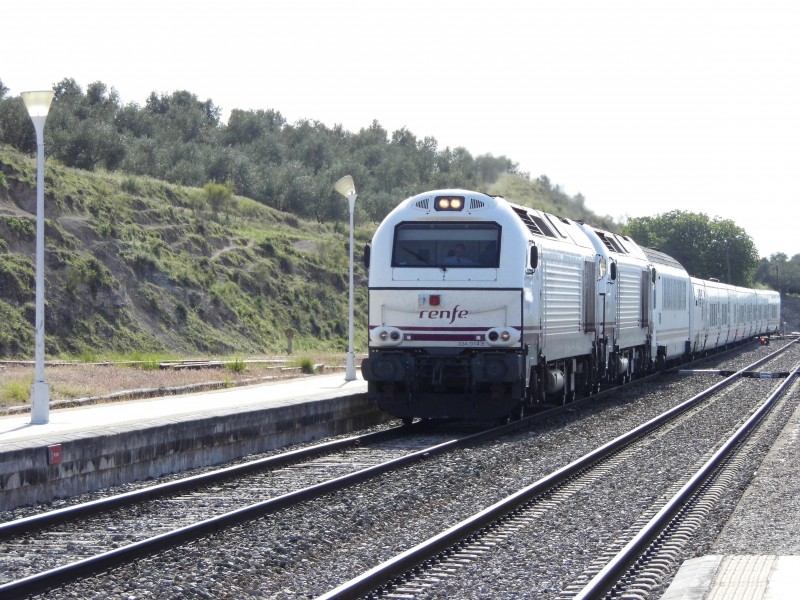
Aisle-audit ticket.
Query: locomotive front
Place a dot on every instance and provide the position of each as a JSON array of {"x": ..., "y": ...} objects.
[{"x": 445, "y": 308}]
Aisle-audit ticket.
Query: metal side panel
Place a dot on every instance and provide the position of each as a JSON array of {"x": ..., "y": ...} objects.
[{"x": 562, "y": 306}]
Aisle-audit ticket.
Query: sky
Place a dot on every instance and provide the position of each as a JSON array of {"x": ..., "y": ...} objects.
[{"x": 641, "y": 106}]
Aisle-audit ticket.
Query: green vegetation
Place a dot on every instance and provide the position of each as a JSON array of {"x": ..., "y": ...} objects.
[
  {"x": 781, "y": 273},
  {"x": 15, "y": 392},
  {"x": 170, "y": 233},
  {"x": 256, "y": 155},
  {"x": 707, "y": 248},
  {"x": 715, "y": 248},
  {"x": 147, "y": 361},
  {"x": 160, "y": 271},
  {"x": 237, "y": 365},
  {"x": 306, "y": 365},
  {"x": 18, "y": 391}
]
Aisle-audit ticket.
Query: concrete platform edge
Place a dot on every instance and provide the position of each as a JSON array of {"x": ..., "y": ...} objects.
[
  {"x": 92, "y": 462},
  {"x": 718, "y": 577}
]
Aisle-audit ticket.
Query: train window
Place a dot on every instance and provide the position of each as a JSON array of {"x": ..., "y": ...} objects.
[{"x": 445, "y": 245}]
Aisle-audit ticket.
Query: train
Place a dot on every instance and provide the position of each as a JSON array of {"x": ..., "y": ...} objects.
[{"x": 482, "y": 309}]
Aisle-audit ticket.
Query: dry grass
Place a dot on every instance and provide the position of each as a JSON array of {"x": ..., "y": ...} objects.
[{"x": 81, "y": 380}]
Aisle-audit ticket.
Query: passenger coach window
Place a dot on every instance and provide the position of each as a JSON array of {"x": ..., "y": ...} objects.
[{"x": 446, "y": 245}]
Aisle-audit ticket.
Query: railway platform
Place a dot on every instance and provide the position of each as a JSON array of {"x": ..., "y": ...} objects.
[{"x": 91, "y": 447}]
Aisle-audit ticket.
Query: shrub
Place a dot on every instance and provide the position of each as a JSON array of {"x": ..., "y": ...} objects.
[
  {"x": 22, "y": 227},
  {"x": 181, "y": 312},
  {"x": 307, "y": 366},
  {"x": 132, "y": 185},
  {"x": 236, "y": 366},
  {"x": 267, "y": 248},
  {"x": 287, "y": 265}
]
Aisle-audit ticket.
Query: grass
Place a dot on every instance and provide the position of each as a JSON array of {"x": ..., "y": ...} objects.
[
  {"x": 237, "y": 365},
  {"x": 147, "y": 361},
  {"x": 18, "y": 392},
  {"x": 15, "y": 392},
  {"x": 145, "y": 266},
  {"x": 306, "y": 365},
  {"x": 106, "y": 374}
]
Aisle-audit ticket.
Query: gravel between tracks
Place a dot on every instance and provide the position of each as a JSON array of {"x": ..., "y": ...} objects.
[
  {"x": 767, "y": 519},
  {"x": 303, "y": 552}
]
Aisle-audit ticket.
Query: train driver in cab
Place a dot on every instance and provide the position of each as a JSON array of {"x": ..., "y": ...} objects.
[{"x": 458, "y": 256}]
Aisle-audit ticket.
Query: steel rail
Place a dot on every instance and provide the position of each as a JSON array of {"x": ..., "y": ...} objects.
[
  {"x": 46, "y": 580},
  {"x": 73, "y": 571},
  {"x": 406, "y": 561},
  {"x": 610, "y": 575},
  {"x": 42, "y": 520}
]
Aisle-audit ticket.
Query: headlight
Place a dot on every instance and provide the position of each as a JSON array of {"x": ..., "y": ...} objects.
[
  {"x": 449, "y": 203},
  {"x": 386, "y": 336},
  {"x": 502, "y": 336}
]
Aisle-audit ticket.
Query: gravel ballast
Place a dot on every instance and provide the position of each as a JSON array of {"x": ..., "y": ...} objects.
[{"x": 306, "y": 551}]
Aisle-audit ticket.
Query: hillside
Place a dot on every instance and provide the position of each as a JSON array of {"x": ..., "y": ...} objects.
[{"x": 136, "y": 264}]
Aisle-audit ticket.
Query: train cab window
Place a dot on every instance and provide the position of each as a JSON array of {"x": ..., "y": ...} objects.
[{"x": 446, "y": 245}]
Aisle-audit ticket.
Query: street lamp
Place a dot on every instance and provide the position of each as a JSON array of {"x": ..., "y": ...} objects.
[
  {"x": 347, "y": 188},
  {"x": 38, "y": 104}
]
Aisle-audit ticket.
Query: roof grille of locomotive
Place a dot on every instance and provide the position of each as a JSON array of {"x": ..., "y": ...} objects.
[
  {"x": 611, "y": 243},
  {"x": 475, "y": 204},
  {"x": 424, "y": 204},
  {"x": 533, "y": 222}
]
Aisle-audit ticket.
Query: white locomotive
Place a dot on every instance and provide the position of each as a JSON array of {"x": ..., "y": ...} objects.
[{"x": 479, "y": 308}]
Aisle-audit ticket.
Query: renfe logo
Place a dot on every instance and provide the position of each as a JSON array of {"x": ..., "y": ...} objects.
[{"x": 452, "y": 315}]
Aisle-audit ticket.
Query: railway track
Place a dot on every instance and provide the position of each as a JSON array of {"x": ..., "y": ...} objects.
[
  {"x": 475, "y": 548},
  {"x": 638, "y": 567},
  {"x": 116, "y": 528},
  {"x": 78, "y": 540},
  {"x": 425, "y": 569}
]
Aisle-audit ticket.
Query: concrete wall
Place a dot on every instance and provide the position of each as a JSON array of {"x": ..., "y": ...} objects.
[{"x": 105, "y": 459}]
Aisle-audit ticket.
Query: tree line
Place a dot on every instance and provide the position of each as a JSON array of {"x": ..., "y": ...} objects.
[
  {"x": 780, "y": 273},
  {"x": 291, "y": 166},
  {"x": 258, "y": 154},
  {"x": 715, "y": 248}
]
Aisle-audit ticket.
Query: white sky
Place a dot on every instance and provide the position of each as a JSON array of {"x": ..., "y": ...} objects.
[{"x": 642, "y": 106}]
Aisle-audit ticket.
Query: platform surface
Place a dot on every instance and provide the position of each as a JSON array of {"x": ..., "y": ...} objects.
[{"x": 67, "y": 423}]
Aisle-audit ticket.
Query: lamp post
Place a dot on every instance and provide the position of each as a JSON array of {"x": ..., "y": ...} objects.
[
  {"x": 38, "y": 104},
  {"x": 347, "y": 188}
]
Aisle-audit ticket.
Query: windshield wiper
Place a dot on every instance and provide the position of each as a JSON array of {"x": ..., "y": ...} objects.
[{"x": 415, "y": 255}]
